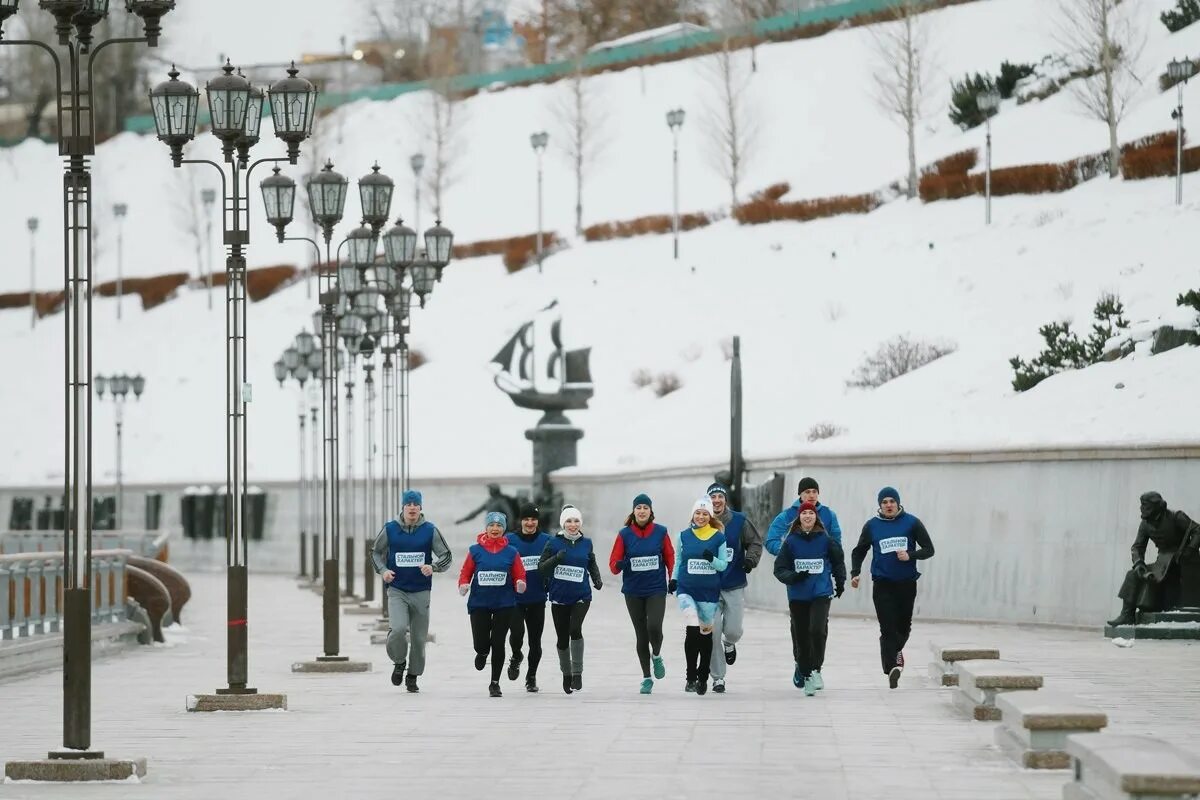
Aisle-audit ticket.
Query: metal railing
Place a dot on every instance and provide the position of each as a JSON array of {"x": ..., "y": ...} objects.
[
  {"x": 31, "y": 591},
  {"x": 148, "y": 544}
]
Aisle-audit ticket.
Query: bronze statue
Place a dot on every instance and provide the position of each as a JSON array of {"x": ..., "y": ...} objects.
[
  {"x": 496, "y": 501},
  {"x": 1160, "y": 586}
]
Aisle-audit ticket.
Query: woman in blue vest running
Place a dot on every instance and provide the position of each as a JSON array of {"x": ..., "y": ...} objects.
[
  {"x": 813, "y": 567},
  {"x": 494, "y": 575},
  {"x": 697, "y": 580},
  {"x": 569, "y": 560},
  {"x": 643, "y": 556},
  {"x": 530, "y": 612}
]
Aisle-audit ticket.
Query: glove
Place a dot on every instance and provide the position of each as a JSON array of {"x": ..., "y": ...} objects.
[
  {"x": 746, "y": 567},
  {"x": 672, "y": 585},
  {"x": 799, "y": 577},
  {"x": 463, "y": 588},
  {"x": 621, "y": 565},
  {"x": 839, "y": 588},
  {"x": 707, "y": 555}
]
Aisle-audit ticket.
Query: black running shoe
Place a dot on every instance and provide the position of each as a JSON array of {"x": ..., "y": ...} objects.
[
  {"x": 410, "y": 683},
  {"x": 514, "y": 668},
  {"x": 494, "y": 690},
  {"x": 480, "y": 661},
  {"x": 577, "y": 682},
  {"x": 567, "y": 684},
  {"x": 730, "y": 653},
  {"x": 690, "y": 686},
  {"x": 719, "y": 685},
  {"x": 531, "y": 685},
  {"x": 894, "y": 677},
  {"x": 702, "y": 686},
  {"x": 397, "y": 675}
]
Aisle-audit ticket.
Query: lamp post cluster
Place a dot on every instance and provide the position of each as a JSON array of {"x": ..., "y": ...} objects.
[
  {"x": 118, "y": 388},
  {"x": 1179, "y": 71},
  {"x": 364, "y": 303},
  {"x": 301, "y": 361},
  {"x": 73, "y": 74},
  {"x": 235, "y": 111}
]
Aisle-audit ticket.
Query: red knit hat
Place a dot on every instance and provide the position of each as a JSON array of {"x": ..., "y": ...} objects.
[{"x": 806, "y": 506}]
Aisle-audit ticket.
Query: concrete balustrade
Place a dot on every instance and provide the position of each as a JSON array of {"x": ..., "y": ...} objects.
[{"x": 31, "y": 586}]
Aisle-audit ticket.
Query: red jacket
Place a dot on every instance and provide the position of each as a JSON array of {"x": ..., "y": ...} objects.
[
  {"x": 493, "y": 544},
  {"x": 618, "y": 551}
]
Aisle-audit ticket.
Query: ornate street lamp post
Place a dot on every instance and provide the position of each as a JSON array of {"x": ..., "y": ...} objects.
[{"x": 675, "y": 122}]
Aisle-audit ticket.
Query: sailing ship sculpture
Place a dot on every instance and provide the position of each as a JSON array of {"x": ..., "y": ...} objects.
[{"x": 538, "y": 372}]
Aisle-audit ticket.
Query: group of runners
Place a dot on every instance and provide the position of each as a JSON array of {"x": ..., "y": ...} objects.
[{"x": 509, "y": 576}]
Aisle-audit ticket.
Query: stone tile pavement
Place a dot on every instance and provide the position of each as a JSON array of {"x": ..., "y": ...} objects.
[{"x": 357, "y": 736}]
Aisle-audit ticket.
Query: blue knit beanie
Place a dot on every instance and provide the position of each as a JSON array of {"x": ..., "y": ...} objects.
[
  {"x": 642, "y": 499},
  {"x": 411, "y": 496},
  {"x": 888, "y": 491},
  {"x": 497, "y": 518},
  {"x": 717, "y": 488}
]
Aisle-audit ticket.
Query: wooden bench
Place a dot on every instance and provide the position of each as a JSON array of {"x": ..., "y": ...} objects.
[
  {"x": 1035, "y": 725},
  {"x": 945, "y": 656},
  {"x": 979, "y": 682},
  {"x": 1114, "y": 767}
]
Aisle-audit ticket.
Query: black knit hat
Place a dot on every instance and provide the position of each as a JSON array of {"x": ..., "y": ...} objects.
[
  {"x": 807, "y": 483},
  {"x": 529, "y": 511}
]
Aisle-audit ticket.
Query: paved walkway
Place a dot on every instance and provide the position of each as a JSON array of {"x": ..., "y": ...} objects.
[{"x": 357, "y": 736}]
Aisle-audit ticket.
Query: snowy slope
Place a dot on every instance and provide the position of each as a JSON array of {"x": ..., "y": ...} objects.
[{"x": 805, "y": 317}]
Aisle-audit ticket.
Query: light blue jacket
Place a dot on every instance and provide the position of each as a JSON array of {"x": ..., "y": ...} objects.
[{"x": 780, "y": 525}]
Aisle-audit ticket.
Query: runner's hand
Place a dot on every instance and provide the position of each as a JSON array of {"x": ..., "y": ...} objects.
[
  {"x": 463, "y": 588},
  {"x": 672, "y": 585},
  {"x": 903, "y": 555},
  {"x": 388, "y": 576},
  {"x": 426, "y": 570},
  {"x": 520, "y": 587},
  {"x": 854, "y": 582},
  {"x": 707, "y": 555}
]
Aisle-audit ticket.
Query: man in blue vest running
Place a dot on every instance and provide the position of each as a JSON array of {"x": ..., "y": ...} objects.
[
  {"x": 743, "y": 549},
  {"x": 406, "y": 554},
  {"x": 807, "y": 492}
]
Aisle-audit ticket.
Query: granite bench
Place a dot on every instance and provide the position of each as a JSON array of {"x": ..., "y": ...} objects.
[
  {"x": 980, "y": 681},
  {"x": 1120, "y": 767},
  {"x": 1035, "y": 725},
  {"x": 942, "y": 670}
]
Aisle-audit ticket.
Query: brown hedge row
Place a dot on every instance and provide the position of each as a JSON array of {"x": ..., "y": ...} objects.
[
  {"x": 759, "y": 211},
  {"x": 261, "y": 282},
  {"x": 154, "y": 291},
  {"x": 521, "y": 249},
  {"x": 641, "y": 226},
  {"x": 959, "y": 163}
]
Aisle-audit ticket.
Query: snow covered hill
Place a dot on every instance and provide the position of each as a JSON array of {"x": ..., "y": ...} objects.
[{"x": 809, "y": 300}]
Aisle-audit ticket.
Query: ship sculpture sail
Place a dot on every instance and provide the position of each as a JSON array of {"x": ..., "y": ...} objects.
[{"x": 537, "y": 372}]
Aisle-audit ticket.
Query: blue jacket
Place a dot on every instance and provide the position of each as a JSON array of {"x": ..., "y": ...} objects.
[
  {"x": 886, "y": 537},
  {"x": 811, "y": 566},
  {"x": 780, "y": 525}
]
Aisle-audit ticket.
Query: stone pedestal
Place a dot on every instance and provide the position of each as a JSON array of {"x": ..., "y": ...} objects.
[
  {"x": 1182, "y": 623},
  {"x": 325, "y": 664},
  {"x": 72, "y": 766},
  {"x": 555, "y": 444},
  {"x": 241, "y": 701},
  {"x": 362, "y": 610}
]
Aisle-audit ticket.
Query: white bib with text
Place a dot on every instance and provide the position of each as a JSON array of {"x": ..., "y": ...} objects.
[
  {"x": 698, "y": 566},
  {"x": 893, "y": 544},
  {"x": 530, "y": 562},
  {"x": 643, "y": 563},
  {"x": 490, "y": 577},
  {"x": 572, "y": 574},
  {"x": 410, "y": 559},
  {"x": 813, "y": 566}
]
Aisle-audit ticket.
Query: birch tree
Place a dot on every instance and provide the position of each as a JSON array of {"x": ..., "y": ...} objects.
[
  {"x": 1105, "y": 36},
  {"x": 902, "y": 73},
  {"x": 731, "y": 119},
  {"x": 580, "y": 114},
  {"x": 441, "y": 123}
]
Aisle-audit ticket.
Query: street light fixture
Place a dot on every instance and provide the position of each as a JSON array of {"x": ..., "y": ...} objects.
[
  {"x": 439, "y": 245},
  {"x": 118, "y": 388},
  {"x": 119, "y": 211},
  {"x": 32, "y": 225},
  {"x": 1179, "y": 71},
  {"x": 76, "y": 130},
  {"x": 989, "y": 103},
  {"x": 417, "y": 162},
  {"x": 675, "y": 123},
  {"x": 538, "y": 142},
  {"x": 235, "y": 108},
  {"x": 375, "y": 196}
]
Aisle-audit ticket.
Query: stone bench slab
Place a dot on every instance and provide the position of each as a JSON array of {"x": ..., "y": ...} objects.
[
  {"x": 1131, "y": 766},
  {"x": 1049, "y": 711},
  {"x": 995, "y": 674},
  {"x": 945, "y": 656}
]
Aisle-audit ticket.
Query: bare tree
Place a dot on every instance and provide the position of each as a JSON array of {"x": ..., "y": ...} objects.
[
  {"x": 581, "y": 116},
  {"x": 28, "y": 71},
  {"x": 189, "y": 212},
  {"x": 903, "y": 71},
  {"x": 442, "y": 120},
  {"x": 1105, "y": 36},
  {"x": 730, "y": 116}
]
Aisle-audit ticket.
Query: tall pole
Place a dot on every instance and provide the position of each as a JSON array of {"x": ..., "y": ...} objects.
[
  {"x": 987, "y": 181},
  {"x": 119, "y": 212},
  {"x": 208, "y": 197},
  {"x": 417, "y": 162},
  {"x": 119, "y": 516},
  {"x": 32, "y": 224},
  {"x": 1179, "y": 145},
  {"x": 675, "y": 188},
  {"x": 369, "y": 508},
  {"x": 350, "y": 523},
  {"x": 538, "y": 142},
  {"x": 331, "y": 542},
  {"x": 737, "y": 464},
  {"x": 303, "y": 495},
  {"x": 313, "y": 505},
  {"x": 405, "y": 417}
]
